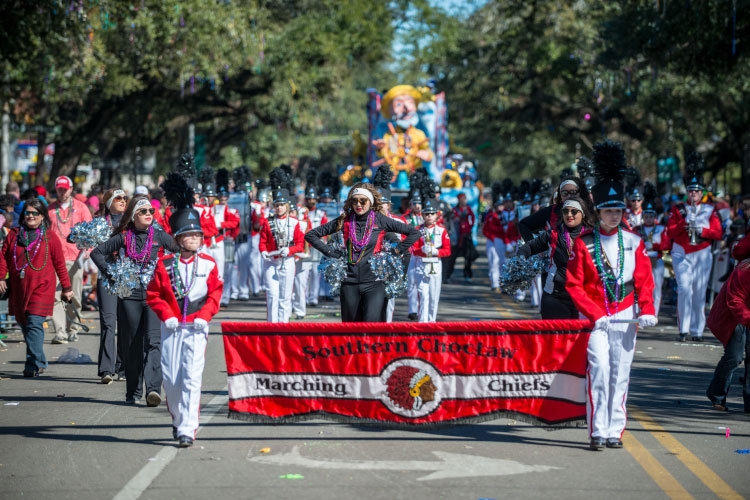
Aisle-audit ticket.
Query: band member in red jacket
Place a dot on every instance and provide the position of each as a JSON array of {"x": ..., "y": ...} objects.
[
  {"x": 428, "y": 269},
  {"x": 185, "y": 295},
  {"x": 608, "y": 270},
  {"x": 692, "y": 228},
  {"x": 493, "y": 231}
]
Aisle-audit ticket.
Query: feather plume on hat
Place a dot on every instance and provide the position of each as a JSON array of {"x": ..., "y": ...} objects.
[
  {"x": 694, "y": 169},
  {"x": 242, "y": 176},
  {"x": 610, "y": 165},
  {"x": 382, "y": 177}
]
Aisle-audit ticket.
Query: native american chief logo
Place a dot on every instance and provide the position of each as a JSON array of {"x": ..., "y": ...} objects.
[{"x": 410, "y": 388}]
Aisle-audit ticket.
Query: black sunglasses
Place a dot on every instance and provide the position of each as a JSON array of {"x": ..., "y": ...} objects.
[
  {"x": 569, "y": 193},
  {"x": 571, "y": 211},
  {"x": 360, "y": 201},
  {"x": 29, "y": 213},
  {"x": 145, "y": 211}
]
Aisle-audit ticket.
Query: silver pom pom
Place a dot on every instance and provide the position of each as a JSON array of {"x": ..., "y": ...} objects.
[
  {"x": 333, "y": 271},
  {"x": 90, "y": 234},
  {"x": 125, "y": 276},
  {"x": 389, "y": 268},
  {"x": 518, "y": 272}
]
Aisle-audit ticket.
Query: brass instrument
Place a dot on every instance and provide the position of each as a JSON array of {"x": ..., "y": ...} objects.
[
  {"x": 280, "y": 234},
  {"x": 429, "y": 245},
  {"x": 693, "y": 231}
]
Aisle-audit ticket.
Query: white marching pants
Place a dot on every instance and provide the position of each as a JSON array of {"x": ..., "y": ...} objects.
[
  {"x": 495, "y": 260},
  {"x": 428, "y": 288},
  {"x": 536, "y": 292},
  {"x": 241, "y": 280},
  {"x": 313, "y": 283},
  {"x": 256, "y": 265},
  {"x": 412, "y": 280},
  {"x": 390, "y": 308},
  {"x": 692, "y": 272},
  {"x": 230, "y": 274},
  {"x": 217, "y": 253},
  {"x": 278, "y": 279},
  {"x": 657, "y": 269},
  {"x": 183, "y": 355},
  {"x": 301, "y": 277},
  {"x": 610, "y": 355}
]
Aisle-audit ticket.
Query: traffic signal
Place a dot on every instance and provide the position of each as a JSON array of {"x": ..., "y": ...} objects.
[{"x": 666, "y": 167}]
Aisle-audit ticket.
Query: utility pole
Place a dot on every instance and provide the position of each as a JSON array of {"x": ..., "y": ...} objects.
[{"x": 5, "y": 151}]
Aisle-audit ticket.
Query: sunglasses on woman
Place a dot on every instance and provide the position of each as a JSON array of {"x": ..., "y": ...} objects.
[
  {"x": 31, "y": 213},
  {"x": 571, "y": 211},
  {"x": 573, "y": 192},
  {"x": 145, "y": 211},
  {"x": 121, "y": 198},
  {"x": 360, "y": 201}
]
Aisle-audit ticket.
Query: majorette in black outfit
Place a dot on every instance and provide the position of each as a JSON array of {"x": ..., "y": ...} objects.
[
  {"x": 363, "y": 229},
  {"x": 137, "y": 239},
  {"x": 575, "y": 220}
]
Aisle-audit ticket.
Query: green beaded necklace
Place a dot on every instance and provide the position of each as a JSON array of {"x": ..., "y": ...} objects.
[{"x": 607, "y": 277}]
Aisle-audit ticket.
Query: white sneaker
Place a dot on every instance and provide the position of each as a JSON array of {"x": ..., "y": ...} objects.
[
  {"x": 59, "y": 339},
  {"x": 153, "y": 398},
  {"x": 73, "y": 337}
]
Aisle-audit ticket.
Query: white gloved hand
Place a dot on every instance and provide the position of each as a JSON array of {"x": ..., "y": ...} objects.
[
  {"x": 435, "y": 252},
  {"x": 691, "y": 217},
  {"x": 171, "y": 323},
  {"x": 649, "y": 245},
  {"x": 602, "y": 323},
  {"x": 647, "y": 320},
  {"x": 200, "y": 323},
  {"x": 264, "y": 255},
  {"x": 284, "y": 252}
]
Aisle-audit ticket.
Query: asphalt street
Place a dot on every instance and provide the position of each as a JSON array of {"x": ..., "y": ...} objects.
[{"x": 66, "y": 436}]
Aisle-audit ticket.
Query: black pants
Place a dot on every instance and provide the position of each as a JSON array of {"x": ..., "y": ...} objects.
[
  {"x": 363, "y": 302},
  {"x": 466, "y": 252},
  {"x": 558, "y": 306},
  {"x": 110, "y": 361},
  {"x": 139, "y": 342}
]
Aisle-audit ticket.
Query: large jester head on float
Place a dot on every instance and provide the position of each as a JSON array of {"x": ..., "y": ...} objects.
[{"x": 399, "y": 105}]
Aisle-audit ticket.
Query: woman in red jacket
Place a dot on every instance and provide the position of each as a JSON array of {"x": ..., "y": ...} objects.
[{"x": 32, "y": 258}]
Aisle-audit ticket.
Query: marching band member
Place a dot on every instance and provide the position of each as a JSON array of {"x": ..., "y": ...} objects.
[
  {"x": 655, "y": 239},
  {"x": 315, "y": 217},
  {"x": 609, "y": 269},
  {"x": 428, "y": 269},
  {"x": 185, "y": 295},
  {"x": 281, "y": 237},
  {"x": 413, "y": 217},
  {"x": 492, "y": 230},
  {"x": 227, "y": 220},
  {"x": 249, "y": 226},
  {"x": 691, "y": 228},
  {"x": 301, "y": 269},
  {"x": 363, "y": 228}
]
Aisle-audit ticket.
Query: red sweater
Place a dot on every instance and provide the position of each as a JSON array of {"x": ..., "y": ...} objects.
[
  {"x": 732, "y": 305},
  {"x": 35, "y": 294}
]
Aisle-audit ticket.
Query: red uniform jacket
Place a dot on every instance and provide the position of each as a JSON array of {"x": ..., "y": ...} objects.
[
  {"x": 493, "y": 227},
  {"x": 677, "y": 227},
  {"x": 160, "y": 294},
  {"x": 732, "y": 305},
  {"x": 445, "y": 244},
  {"x": 741, "y": 249},
  {"x": 35, "y": 294},
  {"x": 296, "y": 236},
  {"x": 586, "y": 288}
]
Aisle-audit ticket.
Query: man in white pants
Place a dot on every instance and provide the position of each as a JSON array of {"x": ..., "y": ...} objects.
[
  {"x": 428, "y": 268},
  {"x": 280, "y": 239},
  {"x": 315, "y": 217},
  {"x": 692, "y": 228},
  {"x": 655, "y": 239},
  {"x": 301, "y": 270}
]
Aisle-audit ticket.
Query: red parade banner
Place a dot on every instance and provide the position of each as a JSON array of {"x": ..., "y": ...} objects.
[{"x": 408, "y": 374}]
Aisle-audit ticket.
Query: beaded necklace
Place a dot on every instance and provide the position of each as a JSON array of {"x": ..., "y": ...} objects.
[
  {"x": 357, "y": 246},
  {"x": 36, "y": 244},
  {"x": 568, "y": 243},
  {"x": 59, "y": 220},
  {"x": 182, "y": 290},
  {"x": 606, "y": 276},
  {"x": 131, "y": 248}
]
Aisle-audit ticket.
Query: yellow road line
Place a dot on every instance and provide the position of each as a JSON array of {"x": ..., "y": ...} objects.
[
  {"x": 712, "y": 480},
  {"x": 661, "y": 476}
]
